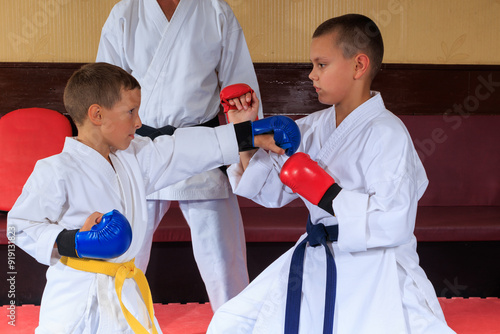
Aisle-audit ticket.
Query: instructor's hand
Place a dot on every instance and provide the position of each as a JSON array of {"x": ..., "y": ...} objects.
[
  {"x": 244, "y": 111},
  {"x": 240, "y": 103}
]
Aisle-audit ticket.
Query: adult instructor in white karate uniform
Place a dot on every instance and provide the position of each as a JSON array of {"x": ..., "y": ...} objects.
[{"x": 182, "y": 53}]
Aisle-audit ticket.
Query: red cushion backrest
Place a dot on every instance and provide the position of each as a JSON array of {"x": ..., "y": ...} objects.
[
  {"x": 26, "y": 136},
  {"x": 461, "y": 156}
]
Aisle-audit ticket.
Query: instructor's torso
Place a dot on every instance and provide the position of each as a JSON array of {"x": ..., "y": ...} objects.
[{"x": 179, "y": 78}]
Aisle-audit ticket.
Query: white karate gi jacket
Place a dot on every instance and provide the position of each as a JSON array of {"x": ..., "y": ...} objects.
[
  {"x": 381, "y": 289},
  {"x": 181, "y": 66},
  {"x": 65, "y": 189}
]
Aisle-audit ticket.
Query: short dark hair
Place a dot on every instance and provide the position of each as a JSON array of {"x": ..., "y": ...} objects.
[
  {"x": 95, "y": 83},
  {"x": 356, "y": 33}
]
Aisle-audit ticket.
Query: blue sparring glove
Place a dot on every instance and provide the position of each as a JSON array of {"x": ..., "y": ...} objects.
[
  {"x": 108, "y": 239},
  {"x": 286, "y": 132}
]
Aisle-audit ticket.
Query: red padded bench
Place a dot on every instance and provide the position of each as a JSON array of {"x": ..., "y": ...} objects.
[
  {"x": 461, "y": 155},
  {"x": 462, "y": 203}
]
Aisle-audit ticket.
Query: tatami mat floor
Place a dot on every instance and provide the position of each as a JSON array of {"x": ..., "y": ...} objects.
[{"x": 465, "y": 316}]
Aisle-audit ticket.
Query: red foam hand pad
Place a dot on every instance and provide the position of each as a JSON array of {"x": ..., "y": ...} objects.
[{"x": 231, "y": 92}]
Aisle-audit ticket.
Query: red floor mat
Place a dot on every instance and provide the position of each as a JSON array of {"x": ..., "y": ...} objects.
[
  {"x": 173, "y": 318},
  {"x": 473, "y": 315},
  {"x": 183, "y": 318},
  {"x": 465, "y": 316}
]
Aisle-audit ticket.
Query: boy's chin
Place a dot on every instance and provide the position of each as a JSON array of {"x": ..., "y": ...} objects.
[
  {"x": 120, "y": 147},
  {"x": 325, "y": 101}
]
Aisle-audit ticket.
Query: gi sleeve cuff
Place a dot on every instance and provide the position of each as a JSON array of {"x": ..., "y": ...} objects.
[
  {"x": 227, "y": 142},
  {"x": 351, "y": 211}
]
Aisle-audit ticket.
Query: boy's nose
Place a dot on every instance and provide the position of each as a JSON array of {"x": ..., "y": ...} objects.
[
  {"x": 312, "y": 76},
  {"x": 138, "y": 122}
]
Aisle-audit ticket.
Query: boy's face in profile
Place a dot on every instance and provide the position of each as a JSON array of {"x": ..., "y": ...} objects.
[
  {"x": 120, "y": 122},
  {"x": 332, "y": 74}
]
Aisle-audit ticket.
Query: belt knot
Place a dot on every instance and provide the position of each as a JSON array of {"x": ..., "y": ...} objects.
[
  {"x": 128, "y": 269},
  {"x": 318, "y": 234},
  {"x": 120, "y": 271}
]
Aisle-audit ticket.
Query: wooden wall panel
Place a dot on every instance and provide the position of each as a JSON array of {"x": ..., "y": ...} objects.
[{"x": 408, "y": 89}]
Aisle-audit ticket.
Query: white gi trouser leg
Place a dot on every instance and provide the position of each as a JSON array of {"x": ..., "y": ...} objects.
[
  {"x": 218, "y": 245},
  {"x": 156, "y": 211}
]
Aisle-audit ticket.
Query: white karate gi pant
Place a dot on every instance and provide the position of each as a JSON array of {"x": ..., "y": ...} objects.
[{"x": 218, "y": 241}]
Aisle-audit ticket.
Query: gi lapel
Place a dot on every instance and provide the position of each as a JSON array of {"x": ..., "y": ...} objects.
[
  {"x": 362, "y": 114},
  {"x": 165, "y": 47}
]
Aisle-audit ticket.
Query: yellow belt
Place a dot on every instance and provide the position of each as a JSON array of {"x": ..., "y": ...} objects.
[{"x": 120, "y": 271}]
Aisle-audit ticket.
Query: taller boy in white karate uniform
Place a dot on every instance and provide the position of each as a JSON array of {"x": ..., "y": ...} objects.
[
  {"x": 356, "y": 269},
  {"x": 182, "y": 53},
  {"x": 104, "y": 169}
]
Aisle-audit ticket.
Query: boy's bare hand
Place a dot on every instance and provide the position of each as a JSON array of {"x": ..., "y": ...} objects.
[
  {"x": 266, "y": 141},
  {"x": 247, "y": 108},
  {"x": 92, "y": 220}
]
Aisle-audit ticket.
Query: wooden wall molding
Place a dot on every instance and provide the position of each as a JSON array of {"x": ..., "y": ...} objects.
[{"x": 408, "y": 89}]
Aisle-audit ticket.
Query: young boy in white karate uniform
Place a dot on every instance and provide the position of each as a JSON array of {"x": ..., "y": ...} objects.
[
  {"x": 103, "y": 169},
  {"x": 356, "y": 269}
]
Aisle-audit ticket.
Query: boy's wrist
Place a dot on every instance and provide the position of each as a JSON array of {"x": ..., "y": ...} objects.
[
  {"x": 235, "y": 117},
  {"x": 244, "y": 136},
  {"x": 66, "y": 245}
]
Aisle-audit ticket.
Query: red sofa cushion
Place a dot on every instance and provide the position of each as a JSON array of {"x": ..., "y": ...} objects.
[{"x": 27, "y": 135}]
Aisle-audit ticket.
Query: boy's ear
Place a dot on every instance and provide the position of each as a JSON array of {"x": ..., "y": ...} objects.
[
  {"x": 362, "y": 62},
  {"x": 95, "y": 114}
]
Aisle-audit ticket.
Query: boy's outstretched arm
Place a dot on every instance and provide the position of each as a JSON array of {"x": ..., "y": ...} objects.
[
  {"x": 265, "y": 141},
  {"x": 278, "y": 134}
]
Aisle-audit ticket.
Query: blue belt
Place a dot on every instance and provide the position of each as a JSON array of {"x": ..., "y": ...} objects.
[{"x": 316, "y": 235}]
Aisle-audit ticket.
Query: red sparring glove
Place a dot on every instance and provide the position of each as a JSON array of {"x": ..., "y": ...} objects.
[
  {"x": 231, "y": 92},
  {"x": 306, "y": 178}
]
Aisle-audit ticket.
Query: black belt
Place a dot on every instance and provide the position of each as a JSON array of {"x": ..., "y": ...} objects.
[{"x": 151, "y": 132}]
